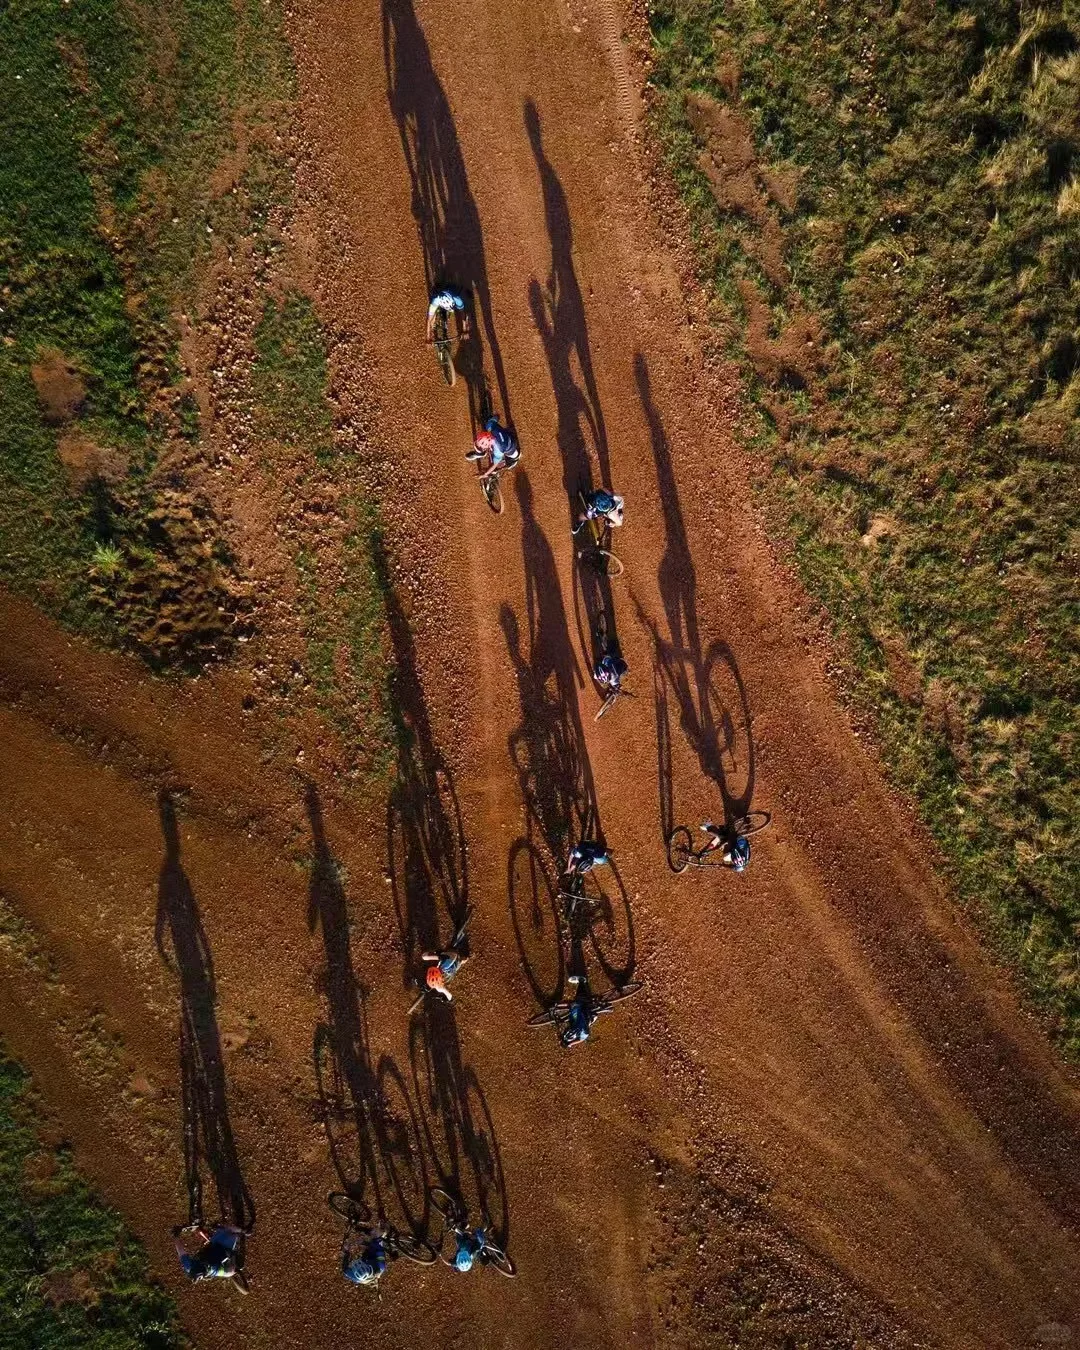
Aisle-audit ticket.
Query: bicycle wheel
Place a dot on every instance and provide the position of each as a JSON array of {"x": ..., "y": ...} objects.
[
  {"x": 496, "y": 1257},
  {"x": 444, "y": 348},
  {"x": 549, "y": 1015},
  {"x": 241, "y": 1282},
  {"x": 493, "y": 493},
  {"x": 609, "y": 702},
  {"x": 680, "y": 849},
  {"x": 750, "y": 824},
  {"x": 625, "y": 991},
  {"x": 445, "y": 1203},
  {"x": 354, "y": 1211},
  {"x": 415, "y": 1249},
  {"x": 608, "y": 564}
]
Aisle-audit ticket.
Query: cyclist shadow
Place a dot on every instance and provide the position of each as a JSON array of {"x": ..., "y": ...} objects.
[
  {"x": 458, "y": 1130},
  {"x": 209, "y": 1145},
  {"x": 447, "y": 218},
  {"x": 558, "y": 310},
  {"x": 533, "y": 890},
  {"x": 369, "y": 1117},
  {"x": 427, "y": 857},
  {"x": 705, "y": 686},
  {"x": 548, "y": 746}
]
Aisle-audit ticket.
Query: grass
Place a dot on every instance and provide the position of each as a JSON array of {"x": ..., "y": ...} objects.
[
  {"x": 884, "y": 205},
  {"x": 342, "y": 606},
  {"x": 70, "y": 1275},
  {"x": 113, "y": 120}
]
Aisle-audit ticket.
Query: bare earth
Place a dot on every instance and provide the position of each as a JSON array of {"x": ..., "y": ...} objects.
[{"x": 826, "y": 1117}]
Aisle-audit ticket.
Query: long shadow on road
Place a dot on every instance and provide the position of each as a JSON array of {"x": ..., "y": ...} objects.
[
  {"x": 367, "y": 1111},
  {"x": 704, "y": 681},
  {"x": 443, "y": 205},
  {"x": 427, "y": 857},
  {"x": 209, "y": 1144}
]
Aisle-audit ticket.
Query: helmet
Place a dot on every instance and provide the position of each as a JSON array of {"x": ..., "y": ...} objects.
[
  {"x": 740, "y": 852},
  {"x": 463, "y": 1261},
  {"x": 435, "y": 977}
]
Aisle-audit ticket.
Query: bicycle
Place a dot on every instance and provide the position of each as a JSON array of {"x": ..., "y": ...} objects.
[
  {"x": 453, "y": 1217},
  {"x": 559, "y": 1014},
  {"x": 611, "y": 694},
  {"x": 600, "y": 555},
  {"x": 680, "y": 844},
  {"x": 492, "y": 491},
  {"x": 455, "y": 943},
  {"x": 358, "y": 1220},
  {"x": 235, "y": 1251},
  {"x": 445, "y": 344}
]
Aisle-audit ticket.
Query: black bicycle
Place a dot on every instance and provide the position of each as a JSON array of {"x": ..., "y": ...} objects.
[
  {"x": 600, "y": 555},
  {"x": 682, "y": 854},
  {"x": 360, "y": 1225},
  {"x": 453, "y": 1217},
  {"x": 445, "y": 344},
  {"x": 559, "y": 1014}
]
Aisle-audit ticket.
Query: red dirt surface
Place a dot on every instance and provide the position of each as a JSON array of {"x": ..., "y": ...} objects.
[{"x": 826, "y": 1120}]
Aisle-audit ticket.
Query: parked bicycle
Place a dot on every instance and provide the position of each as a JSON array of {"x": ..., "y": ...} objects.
[
  {"x": 726, "y": 846},
  {"x": 218, "y": 1255},
  {"x": 471, "y": 1245},
  {"x": 445, "y": 343},
  {"x": 367, "y": 1247},
  {"x": 600, "y": 555}
]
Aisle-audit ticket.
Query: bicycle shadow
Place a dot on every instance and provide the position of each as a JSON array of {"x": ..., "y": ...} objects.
[
  {"x": 558, "y": 309},
  {"x": 458, "y": 1129},
  {"x": 443, "y": 206},
  {"x": 704, "y": 683},
  {"x": 209, "y": 1143},
  {"x": 367, "y": 1112},
  {"x": 533, "y": 890},
  {"x": 548, "y": 747},
  {"x": 427, "y": 855}
]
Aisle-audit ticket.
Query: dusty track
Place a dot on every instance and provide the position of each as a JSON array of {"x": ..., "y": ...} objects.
[{"x": 826, "y": 1087}]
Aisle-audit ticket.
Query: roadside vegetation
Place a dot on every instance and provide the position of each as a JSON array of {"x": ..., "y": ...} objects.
[
  {"x": 145, "y": 187},
  {"x": 885, "y": 202},
  {"x": 70, "y": 1275}
]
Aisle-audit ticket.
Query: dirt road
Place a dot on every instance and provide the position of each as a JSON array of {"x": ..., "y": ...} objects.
[{"x": 826, "y": 1115}]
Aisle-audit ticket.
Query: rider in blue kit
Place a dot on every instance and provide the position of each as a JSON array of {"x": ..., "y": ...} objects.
[
  {"x": 499, "y": 443},
  {"x": 369, "y": 1266},
  {"x": 584, "y": 856},
  {"x": 736, "y": 854}
]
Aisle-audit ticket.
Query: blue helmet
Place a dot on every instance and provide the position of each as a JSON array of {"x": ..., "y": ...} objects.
[
  {"x": 740, "y": 852},
  {"x": 463, "y": 1261}
]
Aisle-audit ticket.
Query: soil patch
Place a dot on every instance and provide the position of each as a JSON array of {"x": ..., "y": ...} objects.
[{"x": 59, "y": 386}]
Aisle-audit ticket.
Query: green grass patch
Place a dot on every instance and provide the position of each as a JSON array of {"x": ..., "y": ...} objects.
[
  {"x": 342, "y": 599},
  {"x": 132, "y": 139},
  {"x": 885, "y": 207},
  {"x": 70, "y": 1274}
]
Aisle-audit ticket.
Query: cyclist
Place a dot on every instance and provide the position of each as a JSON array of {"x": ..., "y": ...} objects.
[
  {"x": 609, "y": 671},
  {"x": 585, "y": 855},
  {"x": 443, "y": 967},
  {"x": 601, "y": 505},
  {"x": 580, "y": 1013},
  {"x": 450, "y": 302},
  {"x": 217, "y": 1257},
  {"x": 499, "y": 443},
  {"x": 368, "y": 1265},
  {"x": 470, "y": 1245},
  {"x": 736, "y": 854}
]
